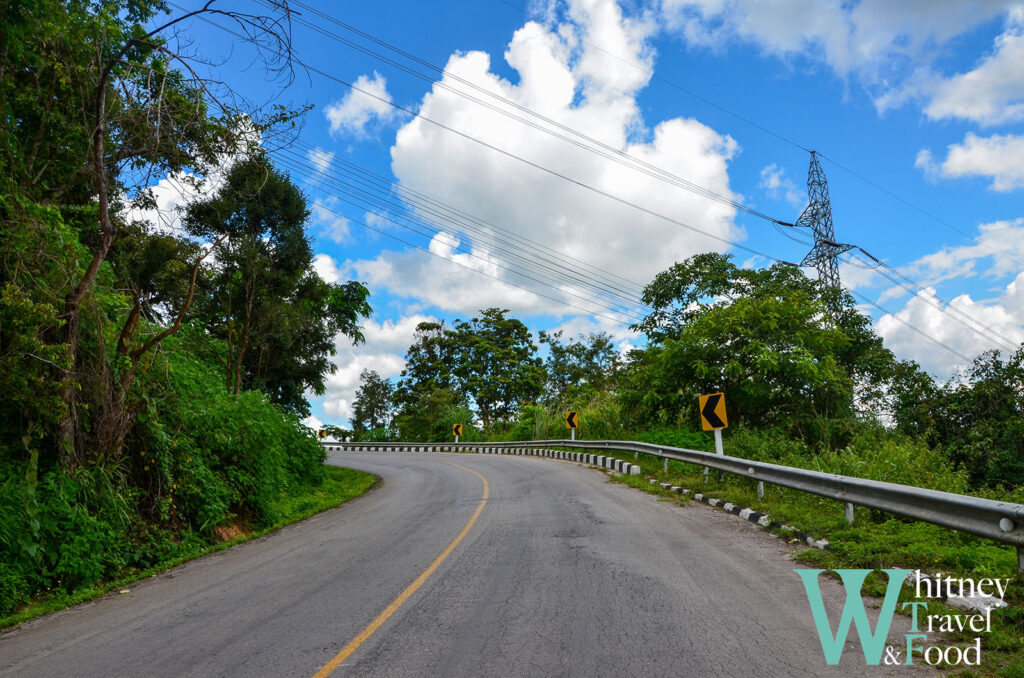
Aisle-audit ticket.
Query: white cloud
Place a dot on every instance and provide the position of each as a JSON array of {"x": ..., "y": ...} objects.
[
  {"x": 361, "y": 107},
  {"x": 925, "y": 313},
  {"x": 776, "y": 184},
  {"x": 383, "y": 352},
  {"x": 172, "y": 196},
  {"x": 313, "y": 422},
  {"x": 1001, "y": 242},
  {"x": 326, "y": 268},
  {"x": 850, "y": 37},
  {"x": 993, "y": 92},
  {"x": 997, "y": 156},
  {"x": 622, "y": 337},
  {"x": 329, "y": 221},
  {"x": 463, "y": 283},
  {"x": 562, "y": 76},
  {"x": 320, "y": 158},
  {"x": 997, "y": 252},
  {"x": 891, "y": 47}
]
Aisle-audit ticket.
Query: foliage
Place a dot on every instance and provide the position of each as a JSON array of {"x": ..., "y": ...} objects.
[
  {"x": 372, "y": 406},
  {"x": 787, "y": 352},
  {"x": 578, "y": 369},
  {"x": 977, "y": 418},
  {"x": 429, "y": 418},
  {"x": 488, "y": 363},
  {"x": 165, "y": 550},
  {"x": 120, "y": 443},
  {"x": 278, "y": 318}
]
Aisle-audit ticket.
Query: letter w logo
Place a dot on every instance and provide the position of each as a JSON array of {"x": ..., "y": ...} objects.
[{"x": 873, "y": 644}]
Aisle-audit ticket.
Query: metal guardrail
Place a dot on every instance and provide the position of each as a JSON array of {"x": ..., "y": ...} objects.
[{"x": 998, "y": 520}]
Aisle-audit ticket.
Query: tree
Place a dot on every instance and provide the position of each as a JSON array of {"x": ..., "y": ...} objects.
[
  {"x": 95, "y": 103},
  {"x": 278, "y": 318},
  {"x": 496, "y": 363},
  {"x": 372, "y": 406},
  {"x": 489, "y": 361},
  {"x": 977, "y": 417},
  {"x": 578, "y": 369},
  {"x": 768, "y": 338}
]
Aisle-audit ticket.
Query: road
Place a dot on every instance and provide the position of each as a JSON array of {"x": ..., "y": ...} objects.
[{"x": 557, "y": 573}]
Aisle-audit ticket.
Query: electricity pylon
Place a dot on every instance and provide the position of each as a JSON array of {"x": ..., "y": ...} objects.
[{"x": 818, "y": 217}]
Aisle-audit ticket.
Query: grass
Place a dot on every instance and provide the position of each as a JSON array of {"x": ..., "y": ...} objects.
[{"x": 339, "y": 486}]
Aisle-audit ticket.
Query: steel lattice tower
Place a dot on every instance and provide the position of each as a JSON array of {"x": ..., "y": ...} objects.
[{"x": 818, "y": 217}]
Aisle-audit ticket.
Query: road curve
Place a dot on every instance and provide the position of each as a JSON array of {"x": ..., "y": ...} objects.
[{"x": 561, "y": 574}]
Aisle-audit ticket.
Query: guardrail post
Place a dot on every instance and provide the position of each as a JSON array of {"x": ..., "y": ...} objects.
[
  {"x": 760, "y": 489},
  {"x": 849, "y": 513},
  {"x": 666, "y": 464},
  {"x": 1020, "y": 558}
]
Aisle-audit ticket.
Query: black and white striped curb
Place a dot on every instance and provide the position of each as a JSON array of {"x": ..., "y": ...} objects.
[
  {"x": 748, "y": 514},
  {"x": 600, "y": 460}
]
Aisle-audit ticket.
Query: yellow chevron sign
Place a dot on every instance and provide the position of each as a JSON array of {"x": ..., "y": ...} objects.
[{"x": 712, "y": 411}]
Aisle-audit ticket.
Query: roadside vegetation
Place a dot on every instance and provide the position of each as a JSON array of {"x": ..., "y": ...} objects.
[{"x": 153, "y": 374}]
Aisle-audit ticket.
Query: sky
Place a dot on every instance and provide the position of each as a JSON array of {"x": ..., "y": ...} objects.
[{"x": 551, "y": 158}]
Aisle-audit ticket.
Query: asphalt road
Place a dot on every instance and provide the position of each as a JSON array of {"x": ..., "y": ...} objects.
[{"x": 561, "y": 574}]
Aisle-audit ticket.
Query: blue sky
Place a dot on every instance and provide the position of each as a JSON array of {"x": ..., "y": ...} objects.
[{"x": 917, "y": 107}]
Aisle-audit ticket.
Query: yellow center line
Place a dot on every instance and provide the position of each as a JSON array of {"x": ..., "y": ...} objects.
[{"x": 365, "y": 634}]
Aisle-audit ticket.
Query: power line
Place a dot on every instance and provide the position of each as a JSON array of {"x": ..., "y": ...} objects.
[
  {"x": 470, "y": 268},
  {"x": 606, "y": 151},
  {"x": 382, "y": 197},
  {"x": 509, "y": 154},
  {"x": 309, "y": 175},
  {"x": 823, "y": 255},
  {"x": 921, "y": 332},
  {"x": 447, "y": 212},
  {"x": 782, "y": 138},
  {"x": 532, "y": 164}
]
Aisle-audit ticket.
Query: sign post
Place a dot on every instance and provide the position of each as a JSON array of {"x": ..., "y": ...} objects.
[
  {"x": 572, "y": 422},
  {"x": 712, "y": 418},
  {"x": 456, "y": 431}
]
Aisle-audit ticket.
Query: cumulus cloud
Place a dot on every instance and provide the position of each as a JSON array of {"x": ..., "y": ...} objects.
[
  {"x": 966, "y": 325},
  {"x": 329, "y": 220},
  {"x": 453, "y": 280},
  {"x": 776, "y": 184},
  {"x": 997, "y": 157},
  {"x": 937, "y": 324},
  {"x": 562, "y": 76},
  {"x": 320, "y": 158},
  {"x": 367, "y": 104},
  {"x": 327, "y": 268},
  {"x": 892, "y": 48},
  {"x": 993, "y": 92},
  {"x": 383, "y": 352},
  {"x": 172, "y": 195},
  {"x": 849, "y": 37},
  {"x": 1000, "y": 244}
]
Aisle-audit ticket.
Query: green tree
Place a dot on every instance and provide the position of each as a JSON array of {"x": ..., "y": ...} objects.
[
  {"x": 579, "y": 369},
  {"x": 278, "y": 318},
  {"x": 490, "y": 362},
  {"x": 93, "y": 107},
  {"x": 372, "y": 406},
  {"x": 786, "y": 351},
  {"x": 977, "y": 417}
]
